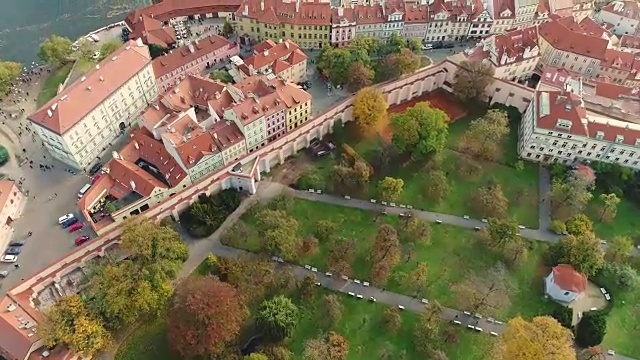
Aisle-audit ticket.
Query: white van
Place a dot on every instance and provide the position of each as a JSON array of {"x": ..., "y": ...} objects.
[{"x": 83, "y": 191}]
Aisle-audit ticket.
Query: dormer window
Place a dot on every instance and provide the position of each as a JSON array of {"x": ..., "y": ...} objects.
[
  {"x": 599, "y": 135},
  {"x": 564, "y": 124},
  {"x": 619, "y": 138},
  {"x": 638, "y": 142}
]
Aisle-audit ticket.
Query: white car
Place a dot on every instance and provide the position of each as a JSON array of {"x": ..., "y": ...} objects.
[
  {"x": 9, "y": 258},
  {"x": 521, "y": 227},
  {"x": 65, "y": 218}
]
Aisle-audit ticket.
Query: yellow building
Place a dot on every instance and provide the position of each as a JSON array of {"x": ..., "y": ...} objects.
[{"x": 306, "y": 23}]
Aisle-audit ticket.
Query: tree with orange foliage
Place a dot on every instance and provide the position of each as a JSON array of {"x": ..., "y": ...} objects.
[
  {"x": 542, "y": 338},
  {"x": 206, "y": 314},
  {"x": 369, "y": 109}
]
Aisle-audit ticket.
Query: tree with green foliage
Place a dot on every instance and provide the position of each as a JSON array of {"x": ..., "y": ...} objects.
[
  {"x": 414, "y": 44},
  {"x": 205, "y": 316},
  {"x": 416, "y": 231},
  {"x": 369, "y": 108},
  {"x": 337, "y": 62},
  {"x": 420, "y": 130},
  {"x": 563, "y": 314},
  {"x": 252, "y": 276},
  {"x": 360, "y": 76},
  {"x": 9, "y": 72},
  {"x": 579, "y": 225},
  {"x": 501, "y": 232},
  {"x": 390, "y": 189},
  {"x": 391, "y": 319},
  {"x": 109, "y": 48},
  {"x": 156, "y": 50},
  {"x": 558, "y": 227},
  {"x": 569, "y": 196},
  {"x": 397, "y": 64},
  {"x": 4, "y": 155},
  {"x": 427, "y": 332},
  {"x": 204, "y": 216},
  {"x": 227, "y": 29},
  {"x": 610, "y": 206},
  {"x": 437, "y": 186},
  {"x": 256, "y": 356},
  {"x": 483, "y": 138},
  {"x": 221, "y": 75},
  {"x": 341, "y": 255},
  {"x": 583, "y": 253},
  {"x": 620, "y": 275},
  {"x": 591, "y": 329},
  {"x": 471, "y": 79},
  {"x": 55, "y": 50},
  {"x": 277, "y": 318},
  {"x": 619, "y": 248},
  {"x": 279, "y": 232},
  {"x": 333, "y": 309},
  {"x": 490, "y": 201},
  {"x": 69, "y": 322},
  {"x": 276, "y": 352}
]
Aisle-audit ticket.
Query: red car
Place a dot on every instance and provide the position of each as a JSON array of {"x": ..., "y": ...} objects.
[
  {"x": 76, "y": 226},
  {"x": 82, "y": 239}
]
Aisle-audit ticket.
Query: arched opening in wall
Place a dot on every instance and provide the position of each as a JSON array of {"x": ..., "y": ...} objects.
[{"x": 122, "y": 126}]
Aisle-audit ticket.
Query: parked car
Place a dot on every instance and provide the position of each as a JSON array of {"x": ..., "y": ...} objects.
[
  {"x": 82, "y": 239},
  {"x": 75, "y": 227},
  {"x": 8, "y": 258},
  {"x": 427, "y": 47},
  {"x": 4, "y": 274},
  {"x": 95, "y": 168},
  {"x": 438, "y": 45},
  {"x": 17, "y": 242},
  {"x": 13, "y": 250},
  {"x": 64, "y": 218},
  {"x": 69, "y": 222},
  {"x": 448, "y": 46}
]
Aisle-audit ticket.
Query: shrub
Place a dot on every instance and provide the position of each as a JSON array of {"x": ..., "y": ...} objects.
[
  {"x": 591, "y": 329},
  {"x": 558, "y": 227},
  {"x": 4, "y": 155},
  {"x": 205, "y": 215}
]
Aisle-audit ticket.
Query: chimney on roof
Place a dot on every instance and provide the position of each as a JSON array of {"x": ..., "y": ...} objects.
[
  {"x": 261, "y": 5},
  {"x": 115, "y": 155},
  {"x": 49, "y": 113},
  {"x": 191, "y": 49},
  {"x": 133, "y": 185},
  {"x": 89, "y": 88},
  {"x": 297, "y": 5},
  {"x": 97, "y": 66},
  {"x": 11, "y": 307},
  {"x": 340, "y": 11},
  {"x": 54, "y": 106},
  {"x": 286, "y": 44},
  {"x": 82, "y": 79},
  {"x": 101, "y": 78},
  {"x": 266, "y": 53},
  {"x": 217, "y": 95},
  {"x": 139, "y": 42},
  {"x": 135, "y": 145}
]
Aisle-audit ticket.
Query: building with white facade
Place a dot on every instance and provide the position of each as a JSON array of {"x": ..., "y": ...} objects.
[
  {"x": 343, "y": 26},
  {"x": 513, "y": 55},
  {"x": 416, "y": 21},
  {"x": 79, "y": 123},
  {"x": 569, "y": 121},
  {"x": 565, "y": 284},
  {"x": 621, "y": 17}
]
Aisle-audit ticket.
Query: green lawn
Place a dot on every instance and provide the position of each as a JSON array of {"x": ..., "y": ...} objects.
[
  {"x": 625, "y": 222},
  {"x": 449, "y": 248},
  {"x": 50, "y": 87},
  {"x": 520, "y": 187},
  {"x": 82, "y": 67},
  {"x": 147, "y": 342},
  {"x": 622, "y": 323}
]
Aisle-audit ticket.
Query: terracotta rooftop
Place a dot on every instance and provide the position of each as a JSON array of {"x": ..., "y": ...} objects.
[
  {"x": 618, "y": 59},
  {"x": 78, "y": 99},
  {"x": 6, "y": 186},
  {"x": 568, "y": 279},
  {"x": 226, "y": 134},
  {"x": 514, "y": 44},
  {"x": 183, "y": 55},
  {"x": 630, "y": 41},
  {"x": 416, "y": 13},
  {"x": 366, "y": 14},
  {"x": 153, "y": 31},
  {"x": 280, "y": 56},
  {"x": 15, "y": 339},
  {"x": 278, "y": 11},
  {"x": 559, "y": 34},
  {"x": 627, "y": 9},
  {"x": 505, "y": 7},
  {"x": 167, "y": 9},
  {"x": 348, "y": 16}
]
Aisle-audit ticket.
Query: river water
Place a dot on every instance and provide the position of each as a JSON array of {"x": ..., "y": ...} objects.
[{"x": 25, "y": 23}]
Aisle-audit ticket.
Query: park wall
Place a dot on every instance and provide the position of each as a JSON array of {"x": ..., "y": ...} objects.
[{"x": 439, "y": 76}]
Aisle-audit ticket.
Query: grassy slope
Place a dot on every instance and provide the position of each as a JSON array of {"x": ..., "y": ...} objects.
[{"x": 50, "y": 87}]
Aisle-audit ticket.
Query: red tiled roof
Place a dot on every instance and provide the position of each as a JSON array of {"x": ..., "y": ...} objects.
[
  {"x": 558, "y": 34},
  {"x": 561, "y": 105},
  {"x": 14, "y": 340},
  {"x": 621, "y": 60},
  {"x": 226, "y": 134},
  {"x": 416, "y": 13},
  {"x": 78, "y": 99},
  {"x": 568, "y": 279},
  {"x": 348, "y": 15},
  {"x": 369, "y": 14},
  {"x": 6, "y": 186},
  {"x": 167, "y": 63},
  {"x": 500, "y": 6},
  {"x": 515, "y": 43},
  {"x": 627, "y": 9},
  {"x": 630, "y": 41},
  {"x": 270, "y": 53},
  {"x": 153, "y": 31},
  {"x": 144, "y": 146}
]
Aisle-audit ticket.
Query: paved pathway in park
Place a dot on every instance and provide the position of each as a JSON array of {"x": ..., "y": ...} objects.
[{"x": 198, "y": 251}]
